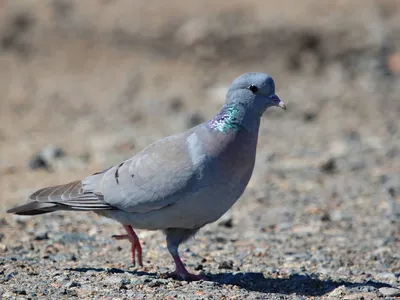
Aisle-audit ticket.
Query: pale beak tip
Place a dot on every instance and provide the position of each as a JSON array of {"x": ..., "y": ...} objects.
[{"x": 282, "y": 105}]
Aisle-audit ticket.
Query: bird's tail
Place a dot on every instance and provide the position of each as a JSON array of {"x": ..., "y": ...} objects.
[
  {"x": 34, "y": 208},
  {"x": 70, "y": 196}
]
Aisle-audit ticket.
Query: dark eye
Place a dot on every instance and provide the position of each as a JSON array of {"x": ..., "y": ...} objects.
[{"x": 253, "y": 88}]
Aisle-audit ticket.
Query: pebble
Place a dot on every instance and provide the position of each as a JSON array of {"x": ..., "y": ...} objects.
[
  {"x": 45, "y": 157},
  {"x": 329, "y": 166},
  {"x": 38, "y": 162},
  {"x": 309, "y": 116},
  {"x": 228, "y": 265},
  {"x": 390, "y": 291},
  {"x": 72, "y": 284},
  {"x": 386, "y": 276},
  {"x": 361, "y": 296},
  {"x": 176, "y": 104},
  {"x": 40, "y": 236}
]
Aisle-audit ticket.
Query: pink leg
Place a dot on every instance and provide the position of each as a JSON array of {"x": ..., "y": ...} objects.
[
  {"x": 135, "y": 244},
  {"x": 181, "y": 271},
  {"x": 174, "y": 237}
]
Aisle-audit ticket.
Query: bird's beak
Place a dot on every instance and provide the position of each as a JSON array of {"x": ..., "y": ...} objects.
[{"x": 275, "y": 99}]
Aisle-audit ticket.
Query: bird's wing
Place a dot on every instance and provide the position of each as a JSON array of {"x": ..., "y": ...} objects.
[{"x": 155, "y": 177}]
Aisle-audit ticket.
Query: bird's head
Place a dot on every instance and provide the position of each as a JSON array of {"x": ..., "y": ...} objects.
[{"x": 254, "y": 91}]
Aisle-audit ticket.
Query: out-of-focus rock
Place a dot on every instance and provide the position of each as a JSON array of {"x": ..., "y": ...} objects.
[
  {"x": 226, "y": 220},
  {"x": 38, "y": 162},
  {"x": 46, "y": 157},
  {"x": 390, "y": 291},
  {"x": 329, "y": 166},
  {"x": 393, "y": 63}
]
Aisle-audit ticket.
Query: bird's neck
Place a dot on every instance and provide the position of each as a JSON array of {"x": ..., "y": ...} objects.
[{"x": 233, "y": 117}]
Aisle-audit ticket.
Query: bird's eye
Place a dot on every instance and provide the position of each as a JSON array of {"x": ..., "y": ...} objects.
[{"x": 253, "y": 88}]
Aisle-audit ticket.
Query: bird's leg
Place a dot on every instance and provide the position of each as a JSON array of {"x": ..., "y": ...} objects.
[
  {"x": 135, "y": 244},
  {"x": 180, "y": 270}
]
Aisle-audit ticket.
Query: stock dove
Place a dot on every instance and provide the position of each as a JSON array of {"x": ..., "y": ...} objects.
[{"x": 179, "y": 183}]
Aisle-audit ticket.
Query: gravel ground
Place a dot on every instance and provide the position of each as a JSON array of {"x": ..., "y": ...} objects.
[{"x": 320, "y": 218}]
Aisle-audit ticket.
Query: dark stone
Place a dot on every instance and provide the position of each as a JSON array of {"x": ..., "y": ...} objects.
[
  {"x": 228, "y": 265},
  {"x": 220, "y": 239},
  {"x": 20, "y": 292},
  {"x": 41, "y": 236},
  {"x": 325, "y": 217},
  {"x": 155, "y": 283},
  {"x": 309, "y": 116},
  {"x": 176, "y": 104},
  {"x": 392, "y": 192},
  {"x": 38, "y": 162},
  {"x": 73, "y": 284},
  {"x": 329, "y": 166},
  {"x": 228, "y": 223}
]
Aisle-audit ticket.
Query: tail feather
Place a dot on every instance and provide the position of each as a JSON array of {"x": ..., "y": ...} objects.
[
  {"x": 33, "y": 208},
  {"x": 70, "y": 196}
]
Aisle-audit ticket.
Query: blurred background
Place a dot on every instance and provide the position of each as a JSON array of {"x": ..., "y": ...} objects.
[{"x": 85, "y": 84}]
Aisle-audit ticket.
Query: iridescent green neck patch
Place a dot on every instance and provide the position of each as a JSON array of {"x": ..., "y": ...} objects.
[{"x": 227, "y": 119}]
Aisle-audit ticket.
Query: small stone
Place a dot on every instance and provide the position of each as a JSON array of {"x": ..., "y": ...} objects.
[
  {"x": 176, "y": 104},
  {"x": 220, "y": 239},
  {"x": 325, "y": 217},
  {"x": 199, "y": 267},
  {"x": 38, "y": 162},
  {"x": 226, "y": 265},
  {"x": 386, "y": 276},
  {"x": 10, "y": 276},
  {"x": 228, "y": 223},
  {"x": 72, "y": 284},
  {"x": 41, "y": 236},
  {"x": 51, "y": 152},
  {"x": 392, "y": 192},
  {"x": 155, "y": 283},
  {"x": 309, "y": 116},
  {"x": 20, "y": 292},
  {"x": 361, "y": 296},
  {"x": 329, "y": 166},
  {"x": 360, "y": 289},
  {"x": 226, "y": 220},
  {"x": 389, "y": 291},
  {"x": 3, "y": 248},
  {"x": 45, "y": 157}
]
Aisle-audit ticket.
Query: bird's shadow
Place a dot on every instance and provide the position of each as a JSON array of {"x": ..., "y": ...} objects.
[{"x": 295, "y": 284}]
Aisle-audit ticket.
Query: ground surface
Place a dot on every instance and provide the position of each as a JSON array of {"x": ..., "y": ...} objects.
[{"x": 103, "y": 79}]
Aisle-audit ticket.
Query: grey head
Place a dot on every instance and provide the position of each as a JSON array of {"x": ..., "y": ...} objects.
[
  {"x": 255, "y": 91},
  {"x": 247, "y": 99}
]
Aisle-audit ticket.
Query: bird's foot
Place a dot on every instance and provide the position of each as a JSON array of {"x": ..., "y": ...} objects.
[
  {"x": 185, "y": 275},
  {"x": 136, "y": 248}
]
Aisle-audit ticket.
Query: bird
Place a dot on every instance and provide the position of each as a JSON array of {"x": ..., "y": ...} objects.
[{"x": 177, "y": 184}]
